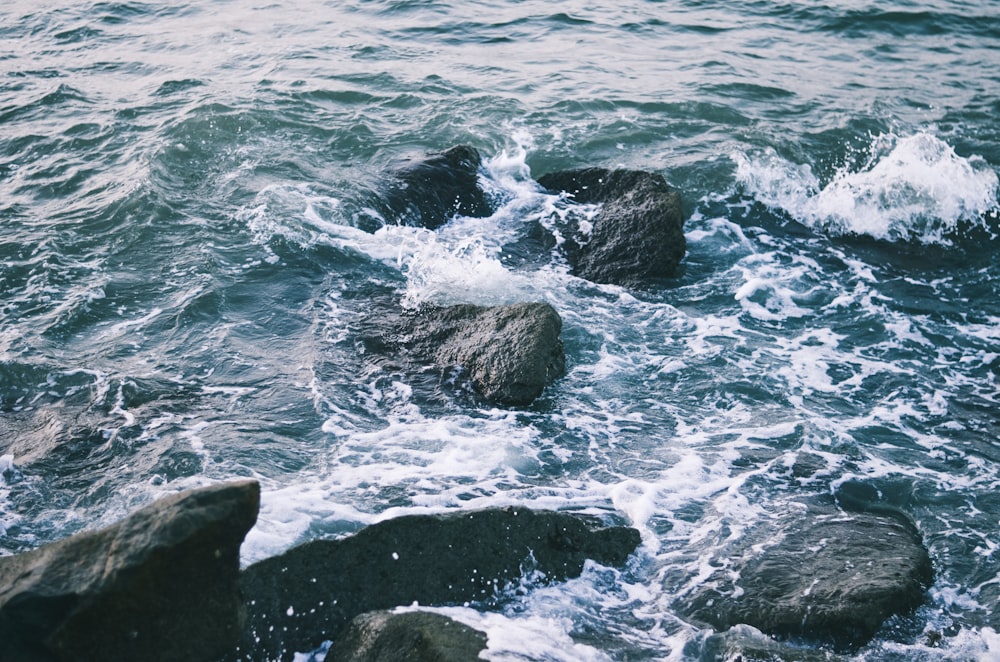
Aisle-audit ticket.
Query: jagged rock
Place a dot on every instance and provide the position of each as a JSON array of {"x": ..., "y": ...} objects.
[
  {"x": 508, "y": 353},
  {"x": 430, "y": 192},
  {"x": 637, "y": 235},
  {"x": 825, "y": 575},
  {"x": 307, "y": 595},
  {"x": 416, "y": 636},
  {"x": 160, "y": 585}
]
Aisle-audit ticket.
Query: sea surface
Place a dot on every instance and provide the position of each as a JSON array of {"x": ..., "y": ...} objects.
[{"x": 183, "y": 271}]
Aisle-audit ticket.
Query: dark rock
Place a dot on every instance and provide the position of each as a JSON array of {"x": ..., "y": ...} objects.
[
  {"x": 827, "y": 575},
  {"x": 509, "y": 353},
  {"x": 416, "y": 636},
  {"x": 638, "y": 233},
  {"x": 162, "y": 584},
  {"x": 307, "y": 595},
  {"x": 430, "y": 192}
]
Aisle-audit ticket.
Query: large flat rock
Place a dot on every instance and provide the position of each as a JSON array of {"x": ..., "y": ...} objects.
[
  {"x": 825, "y": 575},
  {"x": 307, "y": 595}
]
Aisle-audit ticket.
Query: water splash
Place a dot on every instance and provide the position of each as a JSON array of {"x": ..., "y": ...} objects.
[{"x": 913, "y": 188}]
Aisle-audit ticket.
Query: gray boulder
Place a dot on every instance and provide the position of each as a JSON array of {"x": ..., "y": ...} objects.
[
  {"x": 160, "y": 585},
  {"x": 307, "y": 595},
  {"x": 508, "y": 353},
  {"x": 416, "y": 636},
  {"x": 826, "y": 575},
  {"x": 637, "y": 236}
]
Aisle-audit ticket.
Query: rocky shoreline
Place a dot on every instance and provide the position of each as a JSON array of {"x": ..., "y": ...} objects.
[{"x": 165, "y": 583}]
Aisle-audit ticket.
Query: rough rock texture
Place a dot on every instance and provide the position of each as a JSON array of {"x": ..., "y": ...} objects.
[
  {"x": 830, "y": 576},
  {"x": 430, "y": 192},
  {"x": 509, "y": 353},
  {"x": 416, "y": 636},
  {"x": 638, "y": 233},
  {"x": 162, "y": 584},
  {"x": 307, "y": 595}
]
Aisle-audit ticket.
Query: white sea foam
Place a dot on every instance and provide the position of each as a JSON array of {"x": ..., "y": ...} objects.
[
  {"x": 663, "y": 417},
  {"x": 526, "y": 637},
  {"x": 911, "y": 188},
  {"x": 9, "y": 474}
]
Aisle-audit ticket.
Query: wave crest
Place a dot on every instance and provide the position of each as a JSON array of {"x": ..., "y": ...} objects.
[{"x": 913, "y": 188}]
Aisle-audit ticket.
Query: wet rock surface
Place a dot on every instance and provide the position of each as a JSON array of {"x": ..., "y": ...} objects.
[
  {"x": 407, "y": 637},
  {"x": 429, "y": 192},
  {"x": 508, "y": 353},
  {"x": 637, "y": 235},
  {"x": 828, "y": 576},
  {"x": 161, "y": 584},
  {"x": 301, "y": 598}
]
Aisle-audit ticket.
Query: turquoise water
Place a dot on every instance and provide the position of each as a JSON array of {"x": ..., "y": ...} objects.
[{"x": 182, "y": 277}]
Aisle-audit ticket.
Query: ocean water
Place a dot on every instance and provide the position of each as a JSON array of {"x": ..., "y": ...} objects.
[{"x": 182, "y": 275}]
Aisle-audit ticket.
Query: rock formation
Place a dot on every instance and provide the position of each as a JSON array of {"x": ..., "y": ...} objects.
[
  {"x": 827, "y": 575},
  {"x": 301, "y": 598},
  {"x": 430, "y": 192},
  {"x": 508, "y": 353},
  {"x": 161, "y": 584},
  {"x": 637, "y": 235}
]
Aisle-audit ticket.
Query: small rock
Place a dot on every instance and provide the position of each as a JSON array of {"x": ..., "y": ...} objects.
[
  {"x": 430, "y": 192},
  {"x": 637, "y": 235},
  {"x": 509, "y": 353}
]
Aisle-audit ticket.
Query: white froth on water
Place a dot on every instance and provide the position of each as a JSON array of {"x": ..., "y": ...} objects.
[
  {"x": 459, "y": 262},
  {"x": 524, "y": 637},
  {"x": 771, "y": 291},
  {"x": 287, "y": 513},
  {"x": 9, "y": 474},
  {"x": 680, "y": 413},
  {"x": 448, "y": 270},
  {"x": 910, "y": 188}
]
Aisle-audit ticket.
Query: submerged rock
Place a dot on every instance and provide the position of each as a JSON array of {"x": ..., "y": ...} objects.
[
  {"x": 829, "y": 576},
  {"x": 430, "y": 192},
  {"x": 416, "y": 636},
  {"x": 162, "y": 584},
  {"x": 307, "y": 595},
  {"x": 637, "y": 235},
  {"x": 747, "y": 644},
  {"x": 508, "y": 353}
]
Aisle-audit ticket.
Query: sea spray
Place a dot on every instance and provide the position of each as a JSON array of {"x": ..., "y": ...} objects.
[{"x": 910, "y": 188}]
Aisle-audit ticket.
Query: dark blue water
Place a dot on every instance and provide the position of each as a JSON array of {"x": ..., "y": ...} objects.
[{"x": 182, "y": 276}]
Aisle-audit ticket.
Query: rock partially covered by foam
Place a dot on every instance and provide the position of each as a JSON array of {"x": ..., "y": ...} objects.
[
  {"x": 508, "y": 353},
  {"x": 416, "y": 636},
  {"x": 637, "y": 235},
  {"x": 301, "y": 598},
  {"x": 162, "y": 584},
  {"x": 431, "y": 191},
  {"x": 827, "y": 575}
]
